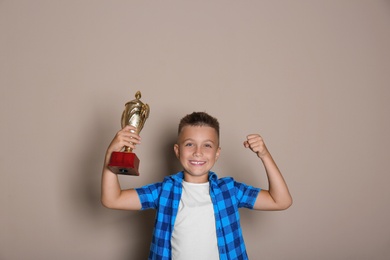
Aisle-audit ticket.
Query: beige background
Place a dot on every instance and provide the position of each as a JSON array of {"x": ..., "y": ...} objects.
[{"x": 312, "y": 77}]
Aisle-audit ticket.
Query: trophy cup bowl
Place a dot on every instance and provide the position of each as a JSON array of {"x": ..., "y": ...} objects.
[{"x": 135, "y": 114}]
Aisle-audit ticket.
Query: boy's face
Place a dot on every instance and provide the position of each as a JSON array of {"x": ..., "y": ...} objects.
[{"x": 198, "y": 150}]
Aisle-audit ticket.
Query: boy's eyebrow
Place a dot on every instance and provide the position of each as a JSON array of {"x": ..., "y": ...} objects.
[{"x": 207, "y": 140}]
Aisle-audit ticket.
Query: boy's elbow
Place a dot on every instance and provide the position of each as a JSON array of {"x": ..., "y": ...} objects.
[
  {"x": 106, "y": 203},
  {"x": 288, "y": 203}
]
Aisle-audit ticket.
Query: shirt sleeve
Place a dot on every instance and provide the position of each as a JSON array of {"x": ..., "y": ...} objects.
[
  {"x": 246, "y": 195},
  {"x": 148, "y": 195}
]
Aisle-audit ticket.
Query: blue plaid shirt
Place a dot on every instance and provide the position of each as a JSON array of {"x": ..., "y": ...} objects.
[{"x": 227, "y": 196}]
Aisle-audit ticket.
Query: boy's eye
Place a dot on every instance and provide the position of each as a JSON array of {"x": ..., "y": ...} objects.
[
  {"x": 188, "y": 144},
  {"x": 208, "y": 145}
]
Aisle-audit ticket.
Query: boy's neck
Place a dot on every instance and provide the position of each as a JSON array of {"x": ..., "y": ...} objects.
[{"x": 196, "y": 179}]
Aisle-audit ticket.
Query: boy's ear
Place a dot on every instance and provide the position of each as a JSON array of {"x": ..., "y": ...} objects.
[
  {"x": 176, "y": 149},
  {"x": 218, "y": 153}
]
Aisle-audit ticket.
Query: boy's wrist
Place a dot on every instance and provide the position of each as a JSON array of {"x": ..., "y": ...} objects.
[
  {"x": 264, "y": 155},
  {"x": 107, "y": 158}
]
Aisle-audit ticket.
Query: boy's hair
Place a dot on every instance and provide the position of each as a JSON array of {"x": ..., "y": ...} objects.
[{"x": 199, "y": 119}]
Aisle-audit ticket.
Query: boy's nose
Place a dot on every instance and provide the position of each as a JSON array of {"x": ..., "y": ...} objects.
[{"x": 197, "y": 152}]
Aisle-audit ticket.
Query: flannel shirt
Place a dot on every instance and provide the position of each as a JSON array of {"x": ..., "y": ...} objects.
[{"x": 227, "y": 196}]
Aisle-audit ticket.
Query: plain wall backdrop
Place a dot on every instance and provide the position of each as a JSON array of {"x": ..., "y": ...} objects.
[{"x": 312, "y": 77}]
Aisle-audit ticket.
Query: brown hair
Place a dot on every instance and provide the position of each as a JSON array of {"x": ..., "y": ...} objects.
[{"x": 199, "y": 119}]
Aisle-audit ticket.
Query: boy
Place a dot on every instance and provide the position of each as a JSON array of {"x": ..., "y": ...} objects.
[{"x": 197, "y": 213}]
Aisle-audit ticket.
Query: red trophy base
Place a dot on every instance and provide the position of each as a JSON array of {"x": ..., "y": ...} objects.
[{"x": 126, "y": 163}]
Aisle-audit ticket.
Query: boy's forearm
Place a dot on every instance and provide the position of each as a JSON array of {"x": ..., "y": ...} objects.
[
  {"x": 110, "y": 185},
  {"x": 277, "y": 186}
]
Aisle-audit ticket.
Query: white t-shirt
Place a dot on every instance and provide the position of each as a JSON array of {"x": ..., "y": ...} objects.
[{"x": 194, "y": 235}]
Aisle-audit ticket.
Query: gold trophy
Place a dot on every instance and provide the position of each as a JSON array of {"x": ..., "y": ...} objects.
[{"x": 135, "y": 114}]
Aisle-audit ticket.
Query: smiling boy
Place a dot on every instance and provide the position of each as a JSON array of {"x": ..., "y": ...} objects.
[
  {"x": 198, "y": 150},
  {"x": 197, "y": 213}
]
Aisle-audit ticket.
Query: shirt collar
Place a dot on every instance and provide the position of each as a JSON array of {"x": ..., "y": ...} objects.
[{"x": 180, "y": 176}]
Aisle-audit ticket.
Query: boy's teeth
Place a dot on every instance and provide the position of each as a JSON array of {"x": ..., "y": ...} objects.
[{"x": 197, "y": 162}]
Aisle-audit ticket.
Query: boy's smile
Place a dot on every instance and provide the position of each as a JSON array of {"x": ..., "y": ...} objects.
[{"x": 198, "y": 150}]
